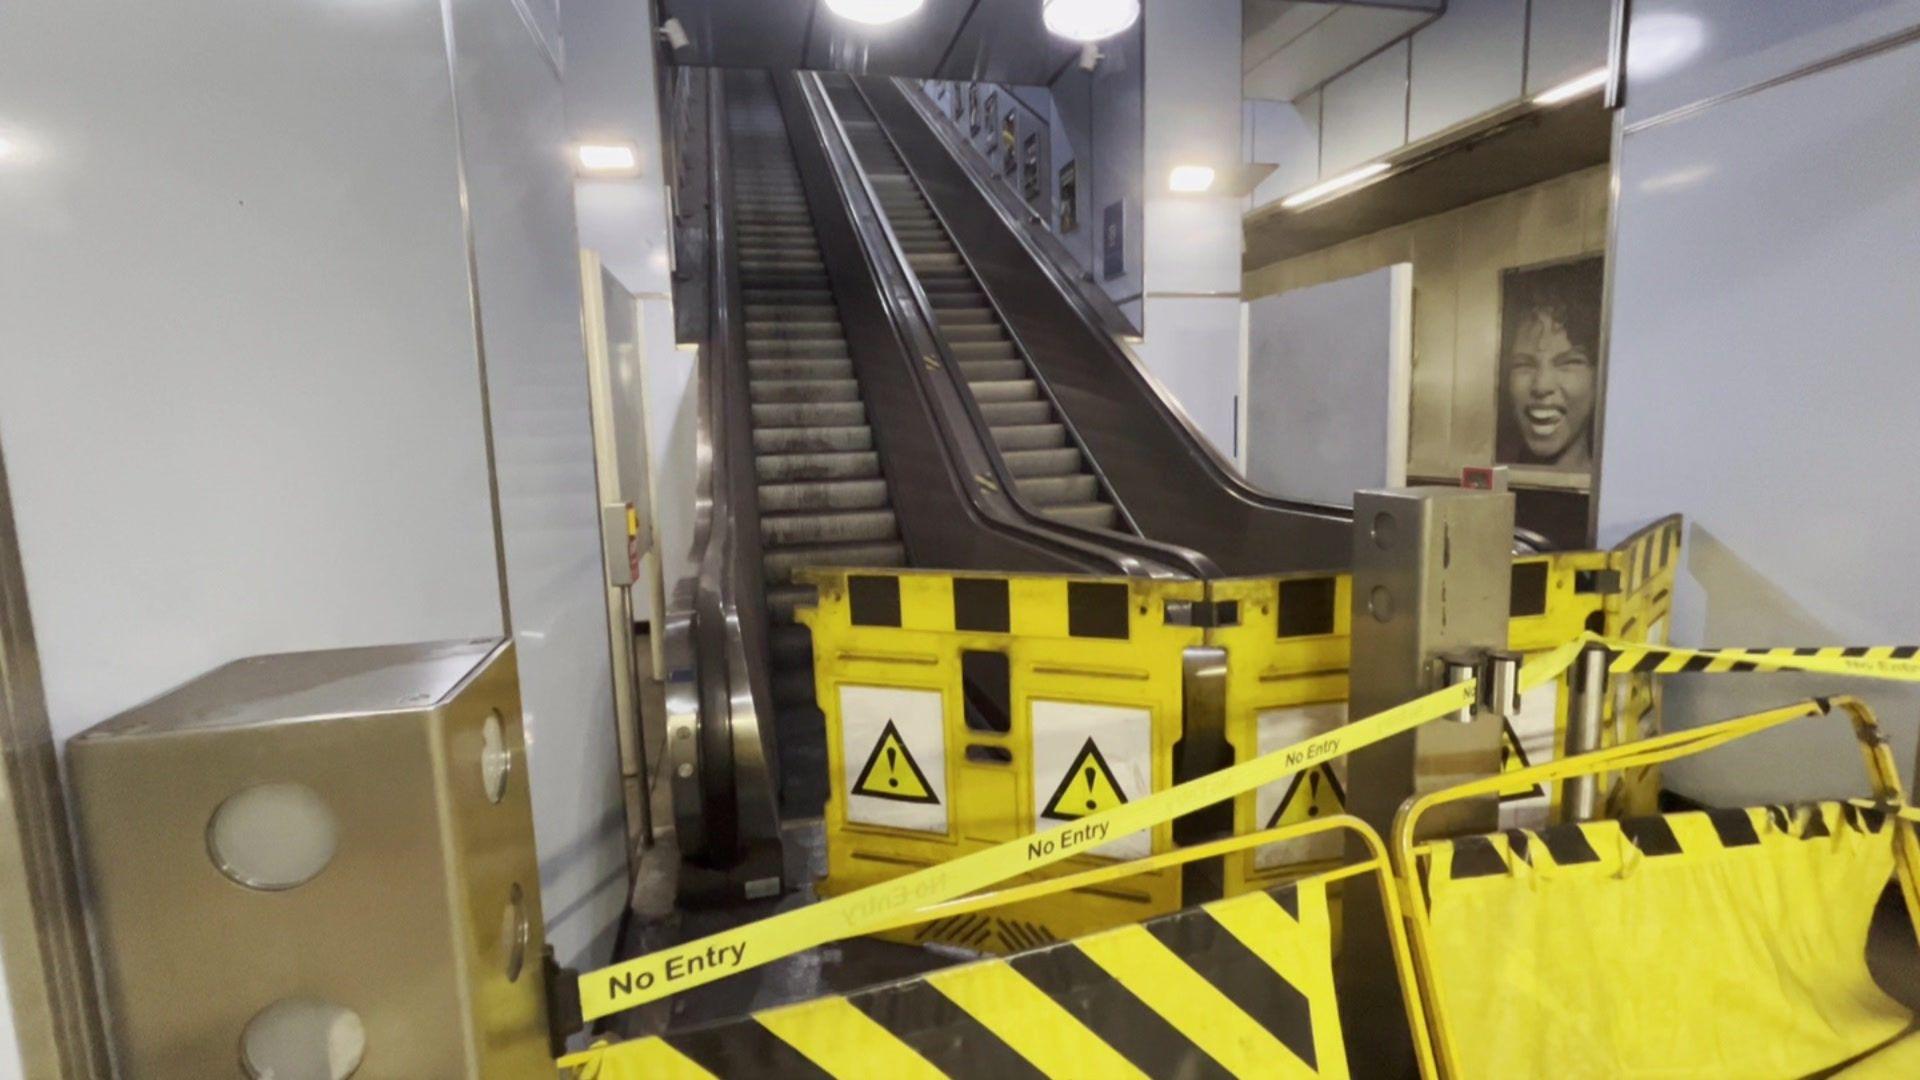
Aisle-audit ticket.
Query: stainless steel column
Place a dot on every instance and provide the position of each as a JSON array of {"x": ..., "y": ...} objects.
[
  {"x": 1586, "y": 714},
  {"x": 1432, "y": 574}
]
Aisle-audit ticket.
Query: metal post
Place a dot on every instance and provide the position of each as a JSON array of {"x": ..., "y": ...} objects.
[
  {"x": 1586, "y": 714},
  {"x": 1432, "y": 580}
]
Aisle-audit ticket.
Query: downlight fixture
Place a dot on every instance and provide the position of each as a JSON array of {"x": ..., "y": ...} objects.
[
  {"x": 1090, "y": 20},
  {"x": 874, "y": 12}
]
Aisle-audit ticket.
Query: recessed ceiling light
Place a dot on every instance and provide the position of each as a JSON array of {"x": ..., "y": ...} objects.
[
  {"x": 607, "y": 157},
  {"x": 874, "y": 12},
  {"x": 1090, "y": 20},
  {"x": 1191, "y": 179},
  {"x": 1573, "y": 88},
  {"x": 1339, "y": 183}
]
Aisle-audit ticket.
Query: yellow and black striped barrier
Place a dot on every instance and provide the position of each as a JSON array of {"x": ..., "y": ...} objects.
[{"x": 947, "y": 889}]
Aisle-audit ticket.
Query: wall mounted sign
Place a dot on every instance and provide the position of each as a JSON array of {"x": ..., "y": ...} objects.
[
  {"x": 1069, "y": 198},
  {"x": 1030, "y": 169},
  {"x": 1113, "y": 240}
]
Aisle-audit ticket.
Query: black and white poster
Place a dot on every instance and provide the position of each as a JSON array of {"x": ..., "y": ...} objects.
[
  {"x": 973, "y": 110},
  {"x": 1069, "y": 199},
  {"x": 1549, "y": 360},
  {"x": 1113, "y": 241},
  {"x": 1009, "y": 137}
]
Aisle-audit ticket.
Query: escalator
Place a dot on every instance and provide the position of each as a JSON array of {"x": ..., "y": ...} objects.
[
  {"x": 1050, "y": 470},
  {"x": 1174, "y": 484},
  {"x": 833, "y": 434},
  {"x": 823, "y": 500}
]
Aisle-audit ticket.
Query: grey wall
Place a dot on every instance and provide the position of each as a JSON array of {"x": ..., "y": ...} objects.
[
  {"x": 241, "y": 397},
  {"x": 1099, "y": 123},
  {"x": 1480, "y": 55},
  {"x": 611, "y": 96},
  {"x": 1327, "y": 369},
  {"x": 1761, "y": 371}
]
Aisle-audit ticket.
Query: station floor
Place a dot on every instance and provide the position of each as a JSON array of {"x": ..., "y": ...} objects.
[{"x": 657, "y": 922}]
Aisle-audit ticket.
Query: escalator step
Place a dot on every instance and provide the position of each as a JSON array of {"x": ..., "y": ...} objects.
[
  {"x": 793, "y": 328},
  {"x": 785, "y": 349},
  {"x": 996, "y": 391},
  {"x": 1088, "y": 515},
  {"x": 828, "y": 527},
  {"x": 1060, "y": 490},
  {"x": 788, "y": 468},
  {"x": 1031, "y": 437},
  {"x": 808, "y": 414},
  {"x": 791, "y": 644},
  {"x": 976, "y": 332},
  {"x": 782, "y": 598},
  {"x": 1028, "y": 463},
  {"x": 968, "y": 316},
  {"x": 823, "y": 495},
  {"x": 773, "y": 297},
  {"x": 812, "y": 440},
  {"x": 1015, "y": 413},
  {"x": 780, "y": 563},
  {"x": 993, "y": 370},
  {"x": 771, "y": 391},
  {"x": 799, "y": 369}
]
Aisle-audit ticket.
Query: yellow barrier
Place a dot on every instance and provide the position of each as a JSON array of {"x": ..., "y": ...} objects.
[
  {"x": 965, "y": 711},
  {"x": 1287, "y": 655},
  {"x": 1242, "y": 986},
  {"x": 1535, "y": 949}
]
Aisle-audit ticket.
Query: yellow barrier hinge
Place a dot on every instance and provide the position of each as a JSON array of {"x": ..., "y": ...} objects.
[{"x": 1598, "y": 582}]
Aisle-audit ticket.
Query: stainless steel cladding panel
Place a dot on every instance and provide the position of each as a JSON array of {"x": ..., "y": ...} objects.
[{"x": 320, "y": 864}]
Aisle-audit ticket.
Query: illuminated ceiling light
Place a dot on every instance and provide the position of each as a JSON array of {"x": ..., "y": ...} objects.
[
  {"x": 874, "y": 12},
  {"x": 1191, "y": 179},
  {"x": 1339, "y": 183},
  {"x": 1090, "y": 20},
  {"x": 7, "y": 148},
  {"x": 607, "y": 158},
  {"x": 1573, "y": 88}
]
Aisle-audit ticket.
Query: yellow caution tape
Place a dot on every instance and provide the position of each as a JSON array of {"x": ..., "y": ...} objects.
[
  {"x": 1900, "y": 663},
  {"x": 670, "y": 971},
  {"x": 656, "y": 975}
]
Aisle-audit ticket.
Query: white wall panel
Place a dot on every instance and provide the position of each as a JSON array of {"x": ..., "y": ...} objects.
[
  {"x": 1682, "y": 51},
  {"x": 238, "y": 393},
  {"x": 1364, "y": 113},
  {"x": 1193, "y": 348},
  {"x": 1565, "y": 39},
  {"x": 11, "y": 1067},
  {"x": 520, "y": 188},
  {"x": 1327, "y": 377},
  {"x": 1762, "y": 381},
  {"x": 1467, "y": 62},
  {"x": 1285, "y": 134},
  {"x": 611, "y": 96}
]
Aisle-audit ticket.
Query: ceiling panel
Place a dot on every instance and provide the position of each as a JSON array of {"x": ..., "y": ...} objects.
[
  {"x": 742, "y": 33},
  {"x": 990, "y": 40},
  {"x": 913, "y": 46},
  {"x": 1005, "y": 41}
]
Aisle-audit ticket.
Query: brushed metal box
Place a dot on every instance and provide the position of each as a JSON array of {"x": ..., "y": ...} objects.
[{"x": 425, "y": 920}]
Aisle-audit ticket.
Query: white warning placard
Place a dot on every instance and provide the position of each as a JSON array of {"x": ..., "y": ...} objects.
[
  {"x": 1532, "y": 738},
  {"x": 1303, "y": 796},
  {"x": 893, "y": 755},
  {"x": 1089, "y": 758}
]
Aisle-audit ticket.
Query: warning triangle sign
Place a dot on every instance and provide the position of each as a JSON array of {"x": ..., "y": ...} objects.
[
  {"x": 1513, "y": 758},
  {"x": 1088, "y": 788},
  {"x": 891, "y": 772},
  {"x": 1313, "y": 794}
]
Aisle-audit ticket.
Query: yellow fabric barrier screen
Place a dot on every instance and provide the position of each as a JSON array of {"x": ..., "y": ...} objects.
[{"x": 1711, "y": 944}]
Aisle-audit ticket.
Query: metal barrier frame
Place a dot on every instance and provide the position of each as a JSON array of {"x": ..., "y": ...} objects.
[
  {"x": 1267, "y": 671},
  {"x": 1882, "y": 772}
]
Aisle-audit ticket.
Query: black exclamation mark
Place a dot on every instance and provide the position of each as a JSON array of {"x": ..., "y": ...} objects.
[
  {"x": 892, "y": 780},
  {"x": 1313, "y": 794},
  {"x": 1089, "y": 787}
]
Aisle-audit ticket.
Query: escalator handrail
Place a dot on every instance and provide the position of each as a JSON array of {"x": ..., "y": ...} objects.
[
  {"x": 721, "y": 778},
  {"x": 1039, "y": 377},
  {"x": 1074, "y": 289},
  {"x": 1131, "y": 556}
]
